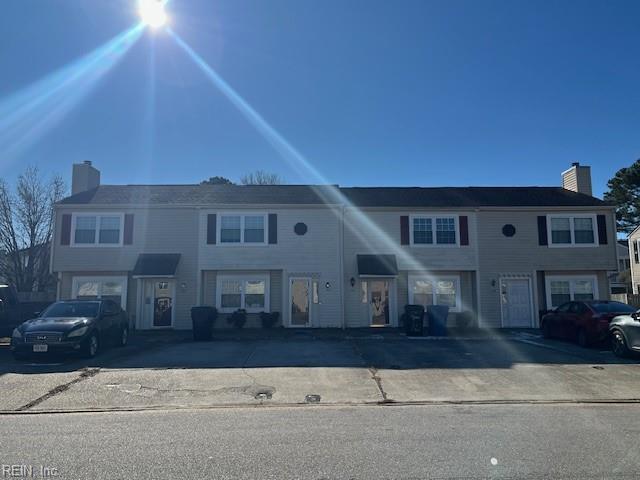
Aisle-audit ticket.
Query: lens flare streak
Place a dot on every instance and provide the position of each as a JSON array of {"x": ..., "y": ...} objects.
[
  {"x": 359, "y": 223},
  {"x": 30, "y": 113}
]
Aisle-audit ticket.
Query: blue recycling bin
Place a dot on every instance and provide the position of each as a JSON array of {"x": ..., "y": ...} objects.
[{"x": 437, "y": 315}]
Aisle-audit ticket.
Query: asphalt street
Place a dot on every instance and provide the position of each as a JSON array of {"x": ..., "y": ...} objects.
[{"x": 365, "y": 442}]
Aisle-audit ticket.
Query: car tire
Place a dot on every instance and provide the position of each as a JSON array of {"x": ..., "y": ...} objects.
[
  {"x": 619, "y": 344},
  {"x": 582, "y": 338},
  {"x": 92, "y": 346},
  {"x": 123, "y": 339},
  {"x": 546, "y": 330}
]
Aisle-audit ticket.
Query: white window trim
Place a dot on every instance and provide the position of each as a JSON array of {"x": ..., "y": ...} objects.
[
  {"x": 571, "y": 279},
  {"x": 242, "y": 278},
  {"x": 98, "y": 216},
  {"x": 242, "y": 215},
  {"x": 456, "y": 221},
  {"x": 571, "y": 218},
  {"x": 101, "y": 279},
  {"x": 433, "y": 279}
]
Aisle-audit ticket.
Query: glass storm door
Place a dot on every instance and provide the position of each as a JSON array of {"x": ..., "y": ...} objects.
[
  {"x": 162, "y": 303},
  {"x": 379, "y": 302},
  {"x": 300, "y": 300}
]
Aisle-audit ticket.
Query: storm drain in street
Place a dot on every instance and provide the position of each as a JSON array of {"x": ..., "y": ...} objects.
[
  {"x": 265, "y": 394},
  {"x": 312, "y": 398}
]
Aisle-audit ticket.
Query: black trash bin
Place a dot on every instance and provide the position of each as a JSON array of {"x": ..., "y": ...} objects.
[
  {"x": 437, "y": 315},
  {"x": 202, "y": 319},
  {"x": 413, "y": 320}
]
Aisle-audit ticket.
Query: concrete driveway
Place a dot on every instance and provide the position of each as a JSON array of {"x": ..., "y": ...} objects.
[{"x": 326, "y": 369}]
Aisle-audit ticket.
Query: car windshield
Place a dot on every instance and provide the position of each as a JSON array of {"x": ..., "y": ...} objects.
[
  {"x": 72, "y": 309},
  {"x": 612, "y": 307}
]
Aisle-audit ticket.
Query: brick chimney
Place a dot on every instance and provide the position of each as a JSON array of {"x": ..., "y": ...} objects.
[
  {"x": 84, "y": 177},
  {"x": 577, "y": 179}
]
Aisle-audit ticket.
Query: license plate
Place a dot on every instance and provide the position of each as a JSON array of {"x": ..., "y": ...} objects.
[{"x": 40, "y": 348}]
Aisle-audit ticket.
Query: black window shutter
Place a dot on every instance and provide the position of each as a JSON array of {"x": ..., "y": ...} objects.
[
  {"x": 65, "y": 234},
  {"x": 211, "y": 229},
  {"x": 602, "y": 229},
  {"x": 128, "y": 229},
  {"x": 273, "y": 228},
  {"x": 542, "y": 230},
  {"x": 636, "y": 255},
  {"x": 404, "y": 230}
]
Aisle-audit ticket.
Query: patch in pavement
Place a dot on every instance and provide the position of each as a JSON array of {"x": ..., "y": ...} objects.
[{"x": 85, "y": 374}]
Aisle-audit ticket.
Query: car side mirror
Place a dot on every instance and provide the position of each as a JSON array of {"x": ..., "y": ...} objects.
[
  {"x": 36, "y": 314},
  {"x": 636, "y": 316}
]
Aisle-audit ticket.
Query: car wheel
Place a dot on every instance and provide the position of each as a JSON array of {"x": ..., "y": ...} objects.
[
  {"x": 124, "y": 337},
  {"x": 546, "y": 330},
  {"x": 582, "y": 338},
  {"x": 619, "y": 344},
  {"x": 91, "y": 347}
]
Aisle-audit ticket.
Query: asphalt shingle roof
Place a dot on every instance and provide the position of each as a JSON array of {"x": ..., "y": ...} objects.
[{"x": 321, "y": 194}]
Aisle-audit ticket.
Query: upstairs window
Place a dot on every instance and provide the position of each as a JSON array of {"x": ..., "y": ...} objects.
[
  {"x": 238, "y": 229},
  {"x": 422, "y": 230},
  {"x": 572, "y": 230},
  {"x": 97, "y": 230}
]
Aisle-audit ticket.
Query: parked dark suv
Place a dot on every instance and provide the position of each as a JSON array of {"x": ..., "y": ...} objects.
[
  {"x": 82, "y": 326},
  {"x": 585, "y": 322}
]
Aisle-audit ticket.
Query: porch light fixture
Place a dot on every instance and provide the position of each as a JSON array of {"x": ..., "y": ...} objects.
[{"x": 352, "y": 281}]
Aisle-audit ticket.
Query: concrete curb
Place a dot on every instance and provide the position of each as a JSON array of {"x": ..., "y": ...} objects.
[{"x": 384, "y": 403}]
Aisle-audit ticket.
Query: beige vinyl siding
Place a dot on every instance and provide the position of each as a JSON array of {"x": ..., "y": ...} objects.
[
  {"x": 377, "y": 231},
  {"x": 166, "y": 230},
  {"x": 521, "y": 254},
  {"x": 315, "y": 254},
  {"x": 635, "y": 267}
]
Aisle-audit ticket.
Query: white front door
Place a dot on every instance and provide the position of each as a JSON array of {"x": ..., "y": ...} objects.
[
  {"x": 300, "y": 302},
  {"x": 515, "y": 297},
  {"x": 379, "y": 303},
  {"x": 158, "y": 299}
]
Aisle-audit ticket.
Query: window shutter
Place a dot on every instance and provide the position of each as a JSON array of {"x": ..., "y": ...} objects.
[
  {"x": 65, "y": 234},
  {"x": 542, "y": 230},
  {"x": 273, "y": 228},
  {"x": 211, "y": 229},
  {"x": 404, "y": 230},
  {"x": 464, "y": 230},
  {"x": 128, "y": 229},
  {"x": 602, "y": 229},
  {"x": 636, "y": 254}
]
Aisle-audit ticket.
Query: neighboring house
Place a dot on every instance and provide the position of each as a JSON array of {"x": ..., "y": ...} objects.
[
  {"x": 634, "y": 252},
  {"x": 620, "y": 280},
  {"x": 326, "y": 256}
]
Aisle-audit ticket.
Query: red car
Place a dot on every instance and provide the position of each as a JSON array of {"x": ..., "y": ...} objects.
[{"x": 586, "y": 321}]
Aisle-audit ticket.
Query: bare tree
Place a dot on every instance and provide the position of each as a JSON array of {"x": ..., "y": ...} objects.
[
  {"x": 260, "y": 177},
  {"x": 26, "y": 228}
]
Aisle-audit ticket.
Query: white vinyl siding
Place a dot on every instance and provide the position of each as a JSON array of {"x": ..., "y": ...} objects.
[
  {"x": 97, "y": 230},
  {"x": 562, "y": 289},
  {"x": 572, "y": 231},
  {"x": 249, "y": 292},
  {"x": 428, "y": 290}
]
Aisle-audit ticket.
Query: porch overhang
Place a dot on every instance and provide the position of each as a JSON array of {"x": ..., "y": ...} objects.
[
  {"x": 151, "y": 265},
  {"x": 377, "y": 266}
]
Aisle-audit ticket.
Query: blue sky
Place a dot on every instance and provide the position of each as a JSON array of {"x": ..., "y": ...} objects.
[{"x": 371, "y": 92}]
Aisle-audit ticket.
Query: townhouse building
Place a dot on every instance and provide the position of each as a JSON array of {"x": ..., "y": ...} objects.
[{"x": 330, "y": 256}]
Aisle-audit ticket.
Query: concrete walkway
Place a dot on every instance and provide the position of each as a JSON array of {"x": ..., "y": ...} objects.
[{"x": 327, "y": 368}]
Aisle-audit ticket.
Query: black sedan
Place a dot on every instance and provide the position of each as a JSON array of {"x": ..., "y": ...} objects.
[
  {"x": 625, "y": 334},
  {"x": 82, "y": 326}
]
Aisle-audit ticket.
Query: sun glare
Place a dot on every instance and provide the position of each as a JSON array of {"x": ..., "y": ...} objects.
[{"x": 152, "y": 12}]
